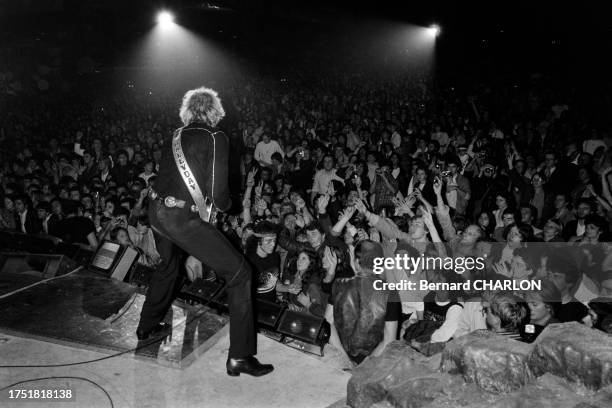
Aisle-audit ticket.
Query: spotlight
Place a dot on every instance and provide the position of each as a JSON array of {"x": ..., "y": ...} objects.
[
  {"x": 165, "y": 18},
  {"x": 434, "y": 30}
]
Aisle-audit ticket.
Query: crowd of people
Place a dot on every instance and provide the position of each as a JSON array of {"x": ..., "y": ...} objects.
[{"x": 338, "y": 173}]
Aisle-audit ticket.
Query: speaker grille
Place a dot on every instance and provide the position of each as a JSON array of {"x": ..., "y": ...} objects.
[
  {"x": 301, "y": 326},
  {"x": 268, "y": 313}
]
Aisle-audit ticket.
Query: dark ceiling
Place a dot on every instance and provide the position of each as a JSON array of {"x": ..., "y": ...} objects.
[{"x": 536, "y": 16}]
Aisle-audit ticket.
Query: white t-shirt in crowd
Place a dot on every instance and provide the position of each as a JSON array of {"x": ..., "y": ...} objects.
[
  {"x": 322, "y": 179},
  {"x": 264, "y": 151}
]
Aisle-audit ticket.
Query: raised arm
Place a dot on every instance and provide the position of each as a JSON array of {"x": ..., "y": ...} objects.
[
  {"x": 387, "y": 229},
  {"x": 433, "y": 233},
  {"x": 442, "y": 213},
  {"x": 344, "y": 218}
]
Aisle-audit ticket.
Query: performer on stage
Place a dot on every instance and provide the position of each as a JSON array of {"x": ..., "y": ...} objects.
[{"x": 192, "y": 182}]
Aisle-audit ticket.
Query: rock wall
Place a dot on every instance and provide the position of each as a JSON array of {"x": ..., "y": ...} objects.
[
  {"x": 494, "y": 363},
  {"x": 569, "y": 366},
  {"x": 575, "y": 352}
]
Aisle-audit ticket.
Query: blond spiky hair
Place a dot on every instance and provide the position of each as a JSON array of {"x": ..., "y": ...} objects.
[{"x": 201, "y": 105}]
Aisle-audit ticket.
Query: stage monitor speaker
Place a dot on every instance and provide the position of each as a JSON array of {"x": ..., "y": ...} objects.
[
  {"x": 268, "y": 314},
  {"x": 114, "y": 260},
  {"x": 208, "y": 292},
  {"x": 75, "y": 252},
  {"x": 41, "y": 265},
  {"x": 304, "y": 331},
  {"x": 11, "y": 241}
]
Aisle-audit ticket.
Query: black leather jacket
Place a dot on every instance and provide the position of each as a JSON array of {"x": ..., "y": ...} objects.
[
  {"x": 207, "y": 153},
  {"x": 359, "y": 315}
]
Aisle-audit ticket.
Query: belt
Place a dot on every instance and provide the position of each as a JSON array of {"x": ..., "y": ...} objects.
[{"x": 171, "y": 202}]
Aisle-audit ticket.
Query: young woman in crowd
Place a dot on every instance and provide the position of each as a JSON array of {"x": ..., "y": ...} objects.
[{"x": 543, "y": 306}]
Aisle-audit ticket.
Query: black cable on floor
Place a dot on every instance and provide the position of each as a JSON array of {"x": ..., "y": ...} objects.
[{"x": 64, "y": 378}]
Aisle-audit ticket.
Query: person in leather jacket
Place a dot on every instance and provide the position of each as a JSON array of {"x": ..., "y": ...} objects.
[
  {"x": 363, "y": 320},
  {"x": 177, "y": 225}
]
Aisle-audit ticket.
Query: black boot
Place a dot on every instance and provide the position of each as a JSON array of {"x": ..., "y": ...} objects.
[
  {"x": 155, "y": 331},
  {"x": 248, "y": 365}
]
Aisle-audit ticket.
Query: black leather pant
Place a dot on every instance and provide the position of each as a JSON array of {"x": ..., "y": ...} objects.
[{"x": 174, "y": 226}]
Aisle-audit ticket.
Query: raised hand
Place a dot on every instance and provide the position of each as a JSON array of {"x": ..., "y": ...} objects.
[
  {"x": 331, "y": 259},
  {"x": 437, "y": 185},
  {"x": 410, "y": 201},
  {"x": 360, "y": 206},
  {"x": 294, "y": 308},
  {"x": 426, "y": 215},
  {"x": 143, "y": 193},
  {"x": 299, "y": 221},
  {"x": 304, "y": 299},
  {"x": 259, "y": 189},
  {"x": 362, "y": 234},
  {"x": 250, "y": 182},
  {"x": 294, "y": 288},
  {"x": 322, "y": 203},
  {"x": 347, "y": 213},
  {"x": 300, "y": 204},
  {"x": 501, "y": 269},
  {"x": 260, "y": 204}
]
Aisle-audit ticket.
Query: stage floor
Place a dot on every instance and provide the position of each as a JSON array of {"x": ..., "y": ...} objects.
[{"x": 90, "y": 311}]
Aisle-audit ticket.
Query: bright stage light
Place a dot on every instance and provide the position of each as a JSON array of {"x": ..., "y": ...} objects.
[
  {"x": 434, "y": 30},
  {"x": 165, "y": 18}
]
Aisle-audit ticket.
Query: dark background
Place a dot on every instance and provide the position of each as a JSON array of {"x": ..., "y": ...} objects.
[{"x": 498, "y": 38}]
